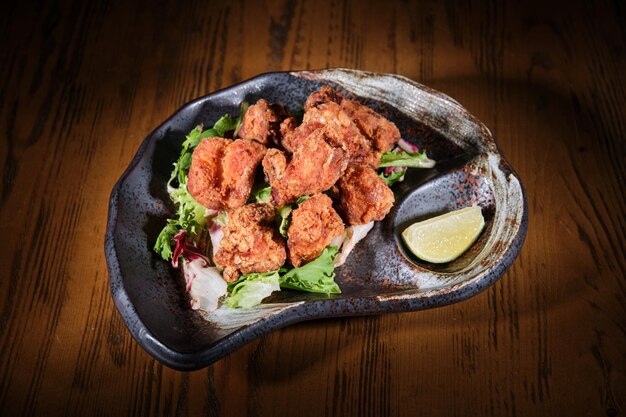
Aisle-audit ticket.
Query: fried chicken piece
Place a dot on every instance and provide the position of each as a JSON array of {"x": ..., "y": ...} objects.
[
  {"x": 314, "y": 224},
  {"x": 222, "y": 171},
  {"x": 325, "y": 94},
  {"x": 274, "y": 165},
  {"x": 287, "y": 127},
  {"x": 251, "y": 242},
  {"x": 339, "y": 131},
  {"x": 314, "y": 167},
  {"x": 382, "y": 133},
  {"x": 262, "y": 122},
  {"x": 363, "y": 195}
]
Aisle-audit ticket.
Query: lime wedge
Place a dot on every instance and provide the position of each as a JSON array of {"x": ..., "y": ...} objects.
[{"x": 444, "y": 238}]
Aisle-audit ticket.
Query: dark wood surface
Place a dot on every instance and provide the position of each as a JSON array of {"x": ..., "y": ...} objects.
[{"x": 83, "y": 82}]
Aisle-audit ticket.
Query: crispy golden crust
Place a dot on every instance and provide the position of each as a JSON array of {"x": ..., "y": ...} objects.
[
  {"x": 314, "y": 224},
  {"x": 363, "y": 195},
  {"x": 251, "y": 242},
  {"x": 287, "y": 127},
  {"x": 262, "y": 122},
  {"x": 380, "y": 132},
  {"x": 314, "y": 167},
  {"x": 274, "y": 165},
  {"x": 325, "y": 94},
  {"x": 222, "y": 172},
  {"x": 338, "y": 130}
]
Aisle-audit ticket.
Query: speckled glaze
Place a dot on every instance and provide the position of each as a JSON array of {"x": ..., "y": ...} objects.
[{"x": 380, "y": 275}]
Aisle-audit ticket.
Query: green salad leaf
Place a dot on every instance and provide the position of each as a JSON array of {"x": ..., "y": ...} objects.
[
  {"x": 191, "y": 216},
  {"x": 406, "y": 159},
  {"x": 163, "y": 246},
  {"x": 262, "y": 195},
  {"x": 301, "y": 199},
  {"x": 393, "y": 177},
  {"x": 284, "y": 215},
  {"x": 181, "y": 167},
  {"x": 316, "y": 276},
  {"x": 250, "y": 289}
]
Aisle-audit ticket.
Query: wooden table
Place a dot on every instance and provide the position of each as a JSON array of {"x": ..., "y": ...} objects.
[{"x": 81, "y": 85}]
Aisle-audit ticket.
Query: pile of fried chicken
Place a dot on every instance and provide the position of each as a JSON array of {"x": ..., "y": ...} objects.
[{"x": 336, "y": 149}]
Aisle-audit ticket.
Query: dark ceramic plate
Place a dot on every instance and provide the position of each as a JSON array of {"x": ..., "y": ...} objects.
[{"x": 380, "y": 275}]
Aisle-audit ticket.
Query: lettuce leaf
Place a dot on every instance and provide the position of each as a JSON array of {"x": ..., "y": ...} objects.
[
  {"x": 191, "y": 216},
  {"x": 181, "y": 167},
  {"x": 316, "y": 276},
  {"x": 284, "y": 217},
  {"x": 250, "y": 289},
  {"x": 163, "y": 244},
  {"x": 262, "y": 195},
  {"x": 393, "y": 177},
  {"x": 406, "y": 159}
]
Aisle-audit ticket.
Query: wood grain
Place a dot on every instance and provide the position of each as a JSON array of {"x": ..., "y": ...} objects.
[{"x": 82, "y": 83}]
